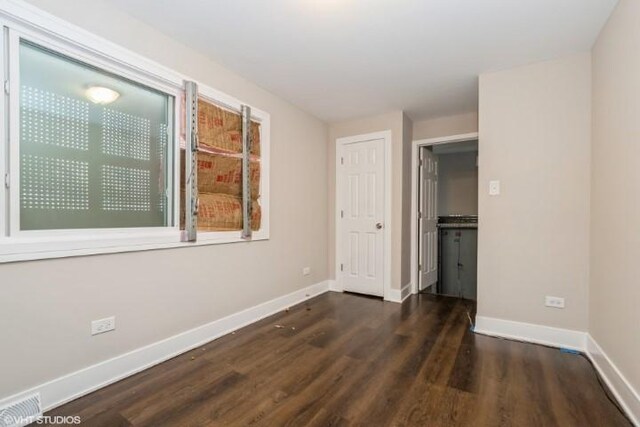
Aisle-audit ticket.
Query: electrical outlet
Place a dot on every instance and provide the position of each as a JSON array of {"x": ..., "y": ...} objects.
[
  {"x": 306, "y": 271},
  {"x": 103, "y": 325},
  {"x": 555, "y": 302}
]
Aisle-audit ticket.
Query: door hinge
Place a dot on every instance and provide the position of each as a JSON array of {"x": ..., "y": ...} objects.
[
  {"x": 6, "y": 87},
  {"x": 421, "y": 162},
  {"x": 342, "y": 160},
  {"x": 419, "y": 267},
  {"x": 341, "y": 267},
  {"x": 7, "y": 181},
  {"x": 341, "y": 214}
]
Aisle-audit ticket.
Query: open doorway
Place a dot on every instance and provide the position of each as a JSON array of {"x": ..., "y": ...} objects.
[{"x": 444, "y": 236}]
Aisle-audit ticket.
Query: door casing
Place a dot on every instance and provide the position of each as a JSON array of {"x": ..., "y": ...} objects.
[
  {"x": 415, "y": 164},
  {"x": 340, "y": 143}
]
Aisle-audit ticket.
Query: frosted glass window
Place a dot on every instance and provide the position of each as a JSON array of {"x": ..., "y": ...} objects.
[
  {"x": 125, "y": 189},
  {"x": 54, "y": 183},
  {"x": 88, "y": 162},
  {"x": 126, "y": 135},
  {"x": 52, "y": 119}
]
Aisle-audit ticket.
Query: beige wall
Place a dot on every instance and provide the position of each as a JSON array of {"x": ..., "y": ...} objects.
[
  {"x": 615, "y": 199},
  {"x": 535, "y": 130},
  {"x": 395, "y": 121},
  {"x": 457, "y": 184},
  {"x": 47, "y": 306},
  {"x": 445, "y": 126}
]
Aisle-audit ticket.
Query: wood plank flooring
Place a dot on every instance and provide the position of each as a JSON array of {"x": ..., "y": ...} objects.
[{"x": 346, "y": 360}]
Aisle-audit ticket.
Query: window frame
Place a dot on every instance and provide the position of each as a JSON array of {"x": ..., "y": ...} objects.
[
  {"x": 15, "y": 39},
  {"x": 24, "y": 21}
]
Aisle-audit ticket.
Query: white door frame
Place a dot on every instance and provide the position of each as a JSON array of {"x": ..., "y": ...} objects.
[
  {"x": 414, "y": 194},
  {"x": 386, "y": 221}
]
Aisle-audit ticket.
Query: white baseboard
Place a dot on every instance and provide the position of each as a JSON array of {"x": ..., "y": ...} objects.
[
  {"x": 538, "y": 334},
  {"x": 406, "y": 291},
  {"x": 627, "y": 396},
  {"x": 399, "y": 295},
  {"x": 395, "y": 295},
  {"x": 334, "y": 287},
  {"x": 69, "y": 387}
]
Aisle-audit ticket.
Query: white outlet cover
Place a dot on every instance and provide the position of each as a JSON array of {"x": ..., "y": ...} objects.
[
  {"x": 494, "y": 188},
  {"x": 554, "y": 302},
  {"x": 103, "y": 325},
  {"x": 306, "y": 271}
]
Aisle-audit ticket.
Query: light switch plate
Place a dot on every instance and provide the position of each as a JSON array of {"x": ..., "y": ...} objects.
[
  {"x": 306, "y": 271},
  {"x": 494, "y": 188}
]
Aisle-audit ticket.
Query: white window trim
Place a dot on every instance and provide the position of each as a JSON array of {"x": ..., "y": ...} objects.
[
  {"x": 47, "y": 30},
  {"x": 4, "y": 178}
]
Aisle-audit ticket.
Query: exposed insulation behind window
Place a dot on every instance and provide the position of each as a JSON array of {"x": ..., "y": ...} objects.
[
  {"x": 223, "y": 212},
  {"x": 223, "y": 174},
  {"x": 220, "y": 170},
  {"x": 221, "y": 130}
]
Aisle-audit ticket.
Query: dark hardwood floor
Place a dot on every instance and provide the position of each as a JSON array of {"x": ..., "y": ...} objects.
[{"x": 343, "y": 360}]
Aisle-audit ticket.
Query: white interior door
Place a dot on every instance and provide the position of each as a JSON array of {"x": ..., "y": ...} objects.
[
  {"x": 361, "y": 233},
  {"x": 428, "y": 218}
]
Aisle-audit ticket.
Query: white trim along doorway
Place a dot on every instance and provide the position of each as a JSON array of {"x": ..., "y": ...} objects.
[
  {"x": 415, "y": 151},
  {"x": 357, "y": 271}
]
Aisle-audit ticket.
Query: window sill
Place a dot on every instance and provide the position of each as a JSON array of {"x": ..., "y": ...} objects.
[{"x": 31, "y": 249}]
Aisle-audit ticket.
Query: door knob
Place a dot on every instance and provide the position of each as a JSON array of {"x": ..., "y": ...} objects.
[{"x": 379, "y": 226}]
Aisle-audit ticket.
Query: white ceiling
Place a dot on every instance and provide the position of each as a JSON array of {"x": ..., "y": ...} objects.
[{"x": 340, "y": 59}]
